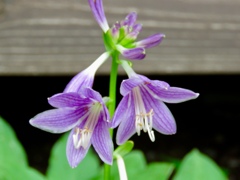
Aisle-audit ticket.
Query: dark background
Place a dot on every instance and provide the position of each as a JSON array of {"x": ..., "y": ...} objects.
[{"x": 209, "y": 123}]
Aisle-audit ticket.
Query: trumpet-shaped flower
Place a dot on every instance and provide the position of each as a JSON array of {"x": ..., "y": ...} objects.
[
  {"x": 86, "y": 116},
  {"x": 143, "y": 108},
  {"x": 83, "y": 111},
  {"x": 122, "y": 36}
]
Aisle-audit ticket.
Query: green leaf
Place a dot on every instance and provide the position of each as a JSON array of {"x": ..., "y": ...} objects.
[
  {"x": 17, "y": 172},
  {"x": 13, "y": 160},
  {"x": 135, "y": 162},
  {"x": 11, "y": 150},
  {"x": 123, "y": 149},
  {"x": 197, "y": 166},
  {"x": 156, "y": 171},
  {"x": 60, "y": 169}
]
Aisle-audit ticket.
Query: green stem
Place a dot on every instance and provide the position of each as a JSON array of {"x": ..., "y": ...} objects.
[{"x": 112, "y": 105}]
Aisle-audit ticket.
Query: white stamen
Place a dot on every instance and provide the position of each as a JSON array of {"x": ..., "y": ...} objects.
[
  {"x": 82, "y": 137},
  {"x": 143, "y": 119}
]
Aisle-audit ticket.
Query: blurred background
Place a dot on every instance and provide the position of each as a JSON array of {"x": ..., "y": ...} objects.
[{"x": 43, "y": 44}]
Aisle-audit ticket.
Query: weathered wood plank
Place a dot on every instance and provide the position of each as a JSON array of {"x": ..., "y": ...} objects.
[{"x": 61, "y": 37}]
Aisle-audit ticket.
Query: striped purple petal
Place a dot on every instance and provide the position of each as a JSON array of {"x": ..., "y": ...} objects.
[
  {"x": 134, "y": 31},
  {"x": 102, "y": 142},
  {"x": 59, "y": 120},
  {"x": 125, "y": 113},
  {"x": 75, "y": 156},
  {"x": 134, "y": 53},
  {"x": 98, "y": 13},
  {"x": 81, "y": 80},
  {"x": 121, "y": 112},
  {"x": 171, "y": 94},
  {"x": 151, "y": 41},
  {"x": 70, "y": 99},
  {"x": 130, "y": 19},
  {"x": 127, "y": 85},
  {"x": 163, "y": 120},
  {"x": 90, "y": 93},
  {"x": 137, "y": 28}
]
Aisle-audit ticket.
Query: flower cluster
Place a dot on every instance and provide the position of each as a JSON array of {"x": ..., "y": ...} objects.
[
  {"x": 82, "y": 110},
  {"x": 122, "y": 36}
]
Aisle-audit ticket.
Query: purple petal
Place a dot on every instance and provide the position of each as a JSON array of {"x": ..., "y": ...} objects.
[
  {"x": 172, "y": 94},
  {"x": 137, "y": 28},
  {"x": 134, "y": 53},
  {"x": 81, "y": 80},
  {"x": 59, "y": 120},
  {"x": 157, "y": 85},
  {"x": 102, "y": 142},
  {"x": 122, "y": 110},
  {"x": 130, "y": 19},
  {"x": 135, "y": 31},
  {"x": 90, "y": 93},
  {"x": 98, "y": 13},
  {"x": 99, "y": 7},
  {"x": 70, "y": 99},
  {"x": 115, "y": 29},
  {"x": 129, "y": 84},
  {"x": 106, "y": 116},
  {"x": 163, "y": 120},
  {"x": 150, "y": 41},
  {"x": 127, "y": 126},
  {"x": 75, "y": 156}
]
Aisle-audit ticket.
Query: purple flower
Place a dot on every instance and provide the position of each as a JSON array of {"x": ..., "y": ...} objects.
[
  {"x": 123, "y": 34},
  {"x": 83, "y": 111},
  {"x": 143, "y": 108},
  {"x": 86, "y": 116}
]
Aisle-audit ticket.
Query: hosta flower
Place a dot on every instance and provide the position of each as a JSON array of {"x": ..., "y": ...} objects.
[
  {"x": 122, "y": 36},
  {"x": 83, "y": 111},
  {"x": 86, "y": 116},
  {"x": 143, "y": 108}
]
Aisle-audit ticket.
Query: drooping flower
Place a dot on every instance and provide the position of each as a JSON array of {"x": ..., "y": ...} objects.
[
  {"x": 83, "y": 111},
  {"x": 86, "y": 116},
  {"x": 143, "y": 108},
  {"x": 122, "y": 35}
]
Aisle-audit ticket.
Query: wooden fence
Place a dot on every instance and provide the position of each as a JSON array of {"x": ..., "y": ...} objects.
[{"x": 60, "y": 37}]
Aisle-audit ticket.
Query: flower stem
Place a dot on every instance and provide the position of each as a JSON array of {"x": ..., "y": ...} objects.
[
  {"x": 113, "y": 83},
  {"x": 112, "y": 105}
]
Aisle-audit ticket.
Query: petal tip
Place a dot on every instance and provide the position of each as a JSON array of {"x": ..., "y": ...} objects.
[
  {"x": 31, "y": 122},
  {"x": 120, "y": 141},
  {"x": 109, "y": 161},
  {"x": 171, "y": 131},
  {"x": 196, "y": 95}
]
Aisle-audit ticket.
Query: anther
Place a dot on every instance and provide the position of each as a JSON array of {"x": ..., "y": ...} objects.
[
  {"x": 81, "y": 137},
  {"x": 144, "y": 122}
]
